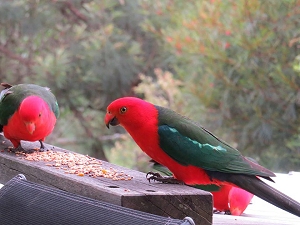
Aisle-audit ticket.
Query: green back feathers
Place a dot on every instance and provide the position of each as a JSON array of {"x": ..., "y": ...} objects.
[
  {"x": 11, "y": 98},
  {"x": 190, "y": 144}
]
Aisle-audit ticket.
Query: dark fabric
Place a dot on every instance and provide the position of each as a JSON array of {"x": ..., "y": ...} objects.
[{"x": 23, "y": 202}]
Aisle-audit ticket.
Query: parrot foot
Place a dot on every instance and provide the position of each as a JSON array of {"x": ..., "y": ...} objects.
[
  {"x": 42, "y": 148},
  {"x": 157, "y": 177},
  {"x": 19, "y": 149},
  {"x": 226, "y": 212},
  {"x": 216, "y": 211}
]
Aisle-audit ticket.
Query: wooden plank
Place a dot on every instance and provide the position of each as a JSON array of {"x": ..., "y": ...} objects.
[{"x": 176, "y": 201}]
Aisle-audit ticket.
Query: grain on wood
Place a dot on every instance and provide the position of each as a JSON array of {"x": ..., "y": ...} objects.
[{"x": 176, "y": 201}]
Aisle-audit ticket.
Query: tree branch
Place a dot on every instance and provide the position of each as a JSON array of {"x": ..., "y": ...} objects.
[
  {"x": 75, "y": 11},
  {"x": 14, "y": 56}
]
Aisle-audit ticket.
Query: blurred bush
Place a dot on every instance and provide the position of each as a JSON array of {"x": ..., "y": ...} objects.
[
  {"x": 231, "y": 65},
  {"x": 240, "y": 59}
]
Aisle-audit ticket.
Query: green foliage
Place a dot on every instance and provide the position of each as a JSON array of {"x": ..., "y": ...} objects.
[
  {"x": 88, "y": 52},
  {"x": 125, "y": 152},
  {"x": 164, "y": 91},
  {"x": 234, "y": 67},
  {"x": 240, "y": 61}
]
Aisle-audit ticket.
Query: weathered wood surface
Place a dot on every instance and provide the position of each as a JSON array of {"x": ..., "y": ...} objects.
[
  {"x": 176, "y": 201},
  {"x": 260, "y": 212}
]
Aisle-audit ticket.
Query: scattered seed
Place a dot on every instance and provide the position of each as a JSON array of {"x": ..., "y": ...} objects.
[{"x": 73, "y": 163}]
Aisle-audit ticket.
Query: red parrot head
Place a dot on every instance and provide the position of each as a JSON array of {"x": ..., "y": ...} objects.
[
  {"x": 128, "y": 112},
  {"x": 31, "y": 112}
]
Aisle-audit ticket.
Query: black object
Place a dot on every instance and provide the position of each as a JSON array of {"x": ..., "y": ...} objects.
[{"x": 23, "y": 202}]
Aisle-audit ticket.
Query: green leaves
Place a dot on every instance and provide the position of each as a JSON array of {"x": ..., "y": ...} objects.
[
  {"x": 240, "y": 62},
  {"x": 237, "y": 63}
]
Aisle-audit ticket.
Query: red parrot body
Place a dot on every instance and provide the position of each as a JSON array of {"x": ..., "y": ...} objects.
[
  {"x": 230, "y": 199},
  {"x": 147, "y": 139},
  {"x": 238, "y": 200},
  {"x": 227, "y": 198},
  {"x": 27, "y": 112},
  {"x": 194, "y": 155},
  {"x": 221, "y": 198}
]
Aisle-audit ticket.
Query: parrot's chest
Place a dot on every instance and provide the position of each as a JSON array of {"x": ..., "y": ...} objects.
[{"x": 16, "y": 128}]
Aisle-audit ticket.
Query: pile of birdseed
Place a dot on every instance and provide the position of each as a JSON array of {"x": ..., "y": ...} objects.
[{"x": 73, "y": 163}]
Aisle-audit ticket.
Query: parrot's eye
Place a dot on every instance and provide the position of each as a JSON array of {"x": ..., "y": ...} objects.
[
  {"x": 40, "y": 114},
  {"x": 123, "y": 110}
]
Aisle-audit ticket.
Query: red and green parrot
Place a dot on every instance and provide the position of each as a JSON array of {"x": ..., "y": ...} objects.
[
  {"x": 27, "y": 112},
  {"x": 194, "y": 155},
  {"x": 227, "y": 198}
]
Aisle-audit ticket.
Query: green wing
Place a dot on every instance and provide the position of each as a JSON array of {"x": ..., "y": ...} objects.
[
  {"x": 190, "y": 144},
  {"x": 11, "y": 98}
]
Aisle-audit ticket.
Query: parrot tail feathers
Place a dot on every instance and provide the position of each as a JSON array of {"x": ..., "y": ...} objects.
[{"x": 264, "y": 191}]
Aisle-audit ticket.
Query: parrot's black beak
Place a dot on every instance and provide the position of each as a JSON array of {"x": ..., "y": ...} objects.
[{"x": 111, "y": 121}]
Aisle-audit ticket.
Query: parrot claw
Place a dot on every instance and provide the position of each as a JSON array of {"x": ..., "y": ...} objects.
[
  {"x": 20, "y": 149},
  {"x": 153, "y": 176},
  {"x": 42, "y": 148},
  {"x": 157, "y": 177},
  {"x": 216, "y": 211},
  {"x": 226, "y": 212}
]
